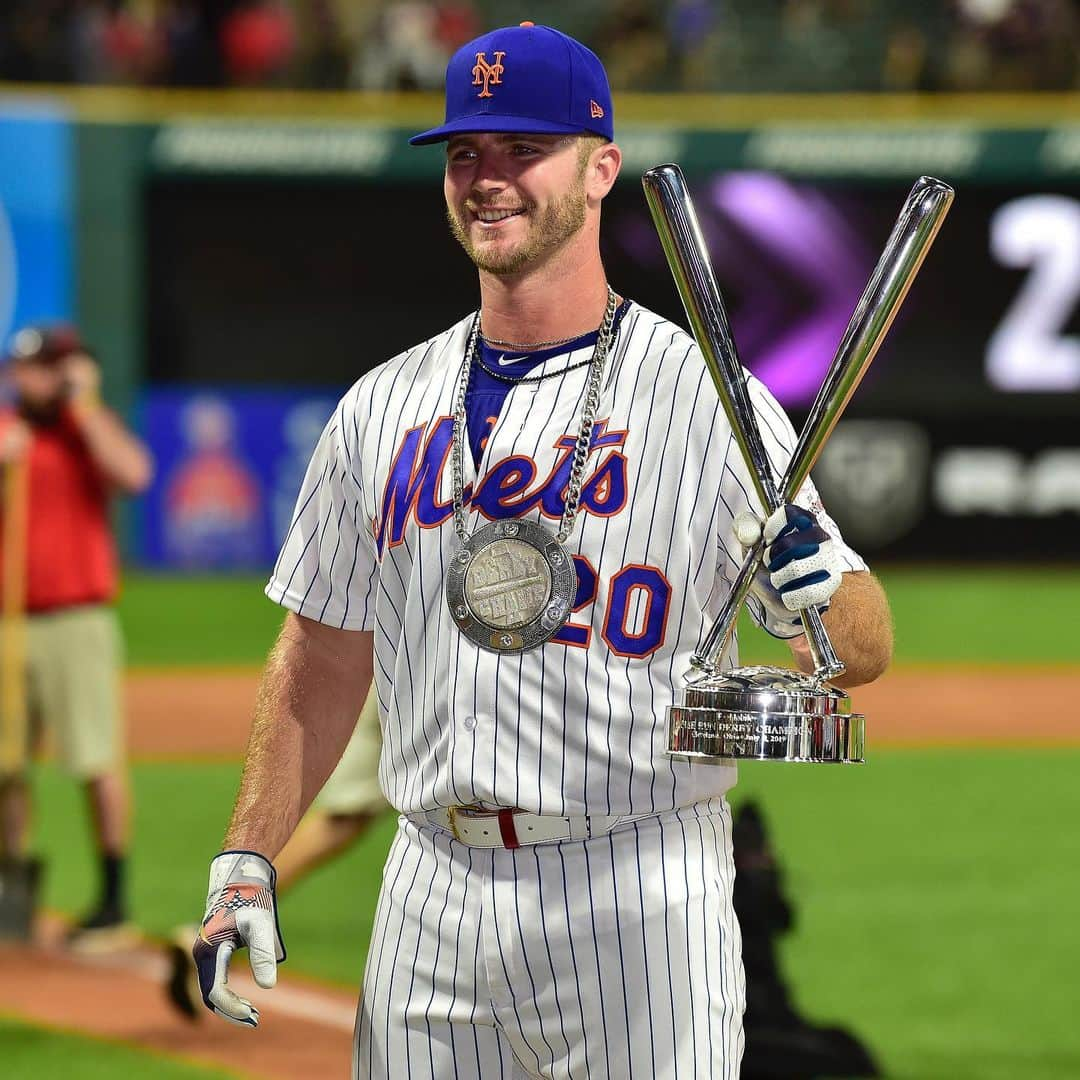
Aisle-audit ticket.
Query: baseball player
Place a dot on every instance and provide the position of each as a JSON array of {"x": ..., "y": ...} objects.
[
  {"x": 77, "y": 454},
  {"x": 524, "y": 526}
]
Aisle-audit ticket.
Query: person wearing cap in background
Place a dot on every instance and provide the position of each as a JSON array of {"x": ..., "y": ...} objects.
[
  {"x": 74, "y": 454},
  {"x": 523, "y": 527}
]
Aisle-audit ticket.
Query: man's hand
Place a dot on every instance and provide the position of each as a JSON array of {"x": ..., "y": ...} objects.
[
  {"x": 800, "y": 568},
  {"x": 82, "y": 376},
  {"x": 240, "y": 910}
]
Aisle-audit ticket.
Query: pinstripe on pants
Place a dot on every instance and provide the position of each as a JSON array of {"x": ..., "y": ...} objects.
[{"x": 616, "y": 957}]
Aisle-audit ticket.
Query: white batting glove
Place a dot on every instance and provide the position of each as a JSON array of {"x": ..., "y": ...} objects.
[
  {"x": 241, "y": 909},
  {"x": 800, "y": 567}
]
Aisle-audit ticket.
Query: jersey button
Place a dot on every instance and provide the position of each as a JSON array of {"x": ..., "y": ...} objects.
[{"x": 469, "y": 723}]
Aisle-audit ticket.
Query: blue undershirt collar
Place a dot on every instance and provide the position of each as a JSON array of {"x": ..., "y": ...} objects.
[{"x": 486, "y": 395}]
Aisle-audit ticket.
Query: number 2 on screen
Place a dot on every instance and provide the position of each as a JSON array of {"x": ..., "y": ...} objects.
[{"x": 1027, "y": 350}]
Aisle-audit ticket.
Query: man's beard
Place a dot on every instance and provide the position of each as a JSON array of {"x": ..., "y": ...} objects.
[
  {"x": 561, "y": 220},
  {"x": 41, "y": 413}
]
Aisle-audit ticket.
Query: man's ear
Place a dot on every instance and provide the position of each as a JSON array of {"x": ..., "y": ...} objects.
[{"x": 604, "y": 165}]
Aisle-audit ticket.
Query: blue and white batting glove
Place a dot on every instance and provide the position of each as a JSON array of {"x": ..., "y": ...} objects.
[
  {"x": 800, "y": 567},
  {"x": 241, "y": 909}
]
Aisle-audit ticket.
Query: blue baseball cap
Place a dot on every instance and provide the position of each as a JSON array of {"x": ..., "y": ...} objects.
[{"x": 524, "y": 78}]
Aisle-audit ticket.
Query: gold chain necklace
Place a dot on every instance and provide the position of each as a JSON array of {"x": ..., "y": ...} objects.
[{"x": 517, "y": 346}]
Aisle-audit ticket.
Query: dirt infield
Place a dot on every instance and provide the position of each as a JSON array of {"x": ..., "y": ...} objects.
[
  {"x": 120, "y": 996},
  {"x": 176, "y": 714},
  {"x": 307, "y": 1028}
]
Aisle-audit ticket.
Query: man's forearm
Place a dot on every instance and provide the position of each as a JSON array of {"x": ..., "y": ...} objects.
[
  {"x": 119, "y": 456},
  {"x": 860, "y": 627},
  {"x": 309, "y": 700}
]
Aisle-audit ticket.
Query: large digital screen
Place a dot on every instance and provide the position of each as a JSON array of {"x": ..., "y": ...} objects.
[
  {"x": 247, "y": 278},
  {"x": 994, "y": 313},
  {"x": 968, "y": 414}
]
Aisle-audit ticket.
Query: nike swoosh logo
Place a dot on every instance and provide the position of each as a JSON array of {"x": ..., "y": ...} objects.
[{"x": 506, "y": 361}]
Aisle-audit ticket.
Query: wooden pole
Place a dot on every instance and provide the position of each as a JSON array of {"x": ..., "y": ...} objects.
[{"x": 13, "y": 718}]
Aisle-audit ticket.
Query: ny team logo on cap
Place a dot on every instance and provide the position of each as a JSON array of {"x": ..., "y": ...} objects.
[
  {"x": 487, "y": 74},
  {"x": 548, "y": 84}
]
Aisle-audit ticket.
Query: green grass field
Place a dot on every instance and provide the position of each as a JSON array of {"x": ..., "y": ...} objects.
[
  {"x": 935, "y": 894},
  {"x": 935, "y": 890},
  {"x": 994, "y": 616},
  {"x": 35, "y": 1053}
]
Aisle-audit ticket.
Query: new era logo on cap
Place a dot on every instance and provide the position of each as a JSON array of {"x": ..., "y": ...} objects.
[{"x": 527, "y": 78}]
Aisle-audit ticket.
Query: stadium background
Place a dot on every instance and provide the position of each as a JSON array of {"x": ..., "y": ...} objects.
[{"x": 238, "y": 256}]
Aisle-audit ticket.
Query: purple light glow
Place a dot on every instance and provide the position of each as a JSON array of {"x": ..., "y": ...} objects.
[{"x": 803, "y": 234}]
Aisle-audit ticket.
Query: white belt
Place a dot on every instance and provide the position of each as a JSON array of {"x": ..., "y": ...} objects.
[{"x": 512, "y": 828}]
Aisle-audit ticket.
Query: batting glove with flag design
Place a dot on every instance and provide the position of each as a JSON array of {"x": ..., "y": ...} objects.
[
  {"x": 800, "y": 567},
  {"x": 240, "y": 910}
]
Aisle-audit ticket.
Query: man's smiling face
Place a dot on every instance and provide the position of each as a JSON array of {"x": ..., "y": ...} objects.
[{"x": 512, "y": 200}]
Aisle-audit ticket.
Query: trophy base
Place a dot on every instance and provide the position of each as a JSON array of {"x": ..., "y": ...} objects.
[{"x": 764, "y": 714}]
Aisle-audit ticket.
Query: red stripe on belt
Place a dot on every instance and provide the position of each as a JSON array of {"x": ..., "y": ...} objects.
[{"x": 506, "y": 829}]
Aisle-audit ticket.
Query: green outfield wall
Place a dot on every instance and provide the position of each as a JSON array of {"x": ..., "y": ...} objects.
[{"x": 125, "y": 138}]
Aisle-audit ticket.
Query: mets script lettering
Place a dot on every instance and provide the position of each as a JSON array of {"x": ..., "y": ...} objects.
[
  {"x": 487, "y": 75},
  {"x": 507, "y": 490}
]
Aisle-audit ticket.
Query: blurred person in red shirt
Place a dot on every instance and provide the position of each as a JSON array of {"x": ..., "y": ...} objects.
[
  {"x": 258, "y": 43},
  {"x": 77, "y": 454},
  {"x": 456, "y": 21}
]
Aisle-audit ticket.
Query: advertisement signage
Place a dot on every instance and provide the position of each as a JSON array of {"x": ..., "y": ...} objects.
[
  {"x": 36, "y": 215},
  {"x": 230, "y": 465}
]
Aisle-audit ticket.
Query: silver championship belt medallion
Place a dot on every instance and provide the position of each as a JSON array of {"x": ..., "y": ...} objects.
[{"x": 511, "y": 586}]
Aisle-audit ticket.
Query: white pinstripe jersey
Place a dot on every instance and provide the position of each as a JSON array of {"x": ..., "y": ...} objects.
[{"x": 575, "y": 726}]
